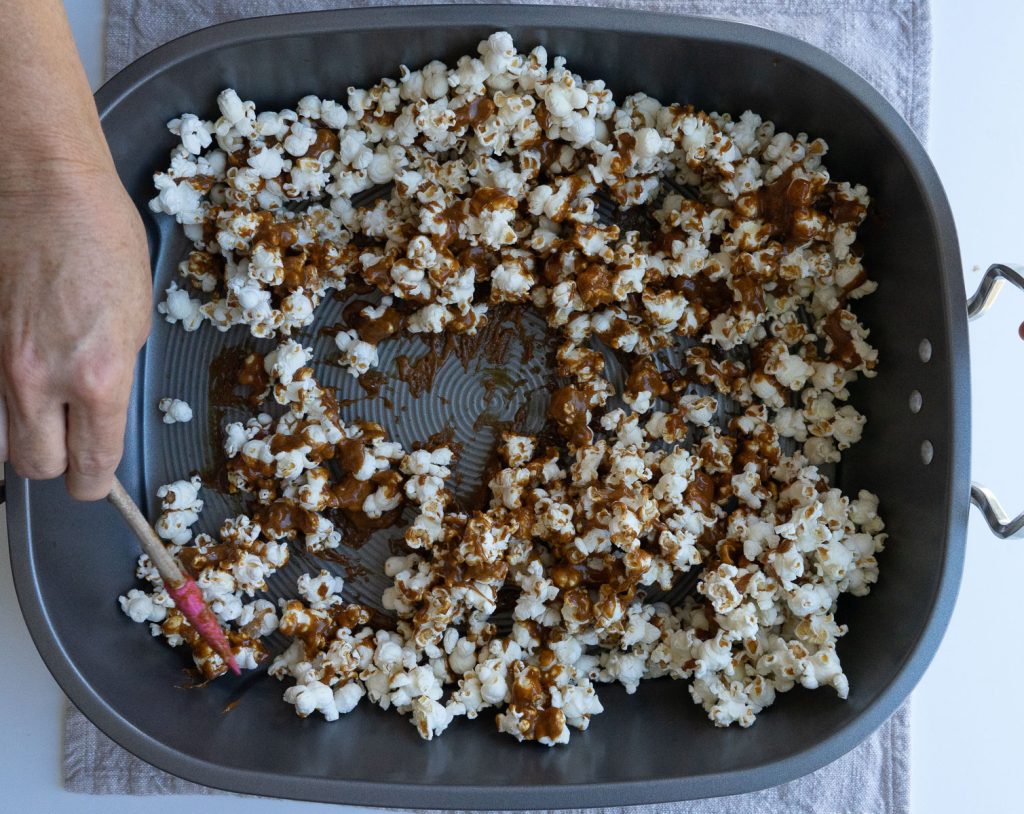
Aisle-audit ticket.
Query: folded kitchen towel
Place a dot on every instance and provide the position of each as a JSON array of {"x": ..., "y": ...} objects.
[
  {"x": 874, "y": 778},
  {"x": 889, "y": 43}
]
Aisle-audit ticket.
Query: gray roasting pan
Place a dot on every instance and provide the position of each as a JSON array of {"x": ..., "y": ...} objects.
[{"x": 71, "y": 560}]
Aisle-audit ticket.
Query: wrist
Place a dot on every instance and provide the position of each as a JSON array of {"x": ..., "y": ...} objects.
[{"x": 54, "y": 164}]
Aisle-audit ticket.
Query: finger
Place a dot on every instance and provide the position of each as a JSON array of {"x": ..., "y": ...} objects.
[
  {"x": 95, "y": 443},
  {"x": 3, "y": 430},
  {"x": 36, "y": 436}
]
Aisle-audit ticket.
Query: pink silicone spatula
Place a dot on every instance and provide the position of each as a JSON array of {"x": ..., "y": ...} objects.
[{"x": 181, "y": 587}]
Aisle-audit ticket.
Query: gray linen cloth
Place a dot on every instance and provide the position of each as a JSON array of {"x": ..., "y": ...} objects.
[{"x": 888, "y": 43}]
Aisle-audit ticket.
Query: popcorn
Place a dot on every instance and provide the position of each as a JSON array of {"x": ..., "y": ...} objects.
[
  {"x": 141, "y": 607},
  {"x": 357, "y": 355},
  {"x": 321, "y": 592},
  {"x": 312, "y": 697},
  {"x": 175, "y": 411},
  {"x": 195, "y": 133},
  {"x": 180, "y": 510},
  {"x": 729, "y": 312},
  {"x": 180, "y": 307}
]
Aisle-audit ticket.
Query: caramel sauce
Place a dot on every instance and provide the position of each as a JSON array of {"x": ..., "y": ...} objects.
[
  {"x": 351, "y": 454},
  {"x": 284, "y": 516},
  {"x": 230, "y": 706},
  {"x": 275, "y": 235},
  {"x": 644, "y": 375},
  {"x": 479, "y": 258},
  {"x": 225, "y": 374},
  {"x": 858, "y": 280},
  {"x": 492, "y": 342},
  {"x": 540, "y": 112},
  {"x": 566, "y": 576},
  {"x": 714, "y": 295},
  {"x": 750, "y": 291},
  {"x": 258, "y": 474},
  {"x": 350, "y": 494},
  {"x": 549, "y": 150},
  {"x": 253, "y": 375},
  {"x": 594, "y": 285},
  {"x": 843, "y": 350},
  {"x": 379, "y": 274},
  {"x": 489, "y": 199},
  {"x": 204, "y": 263},
  {"x": 784, "y": 202},
  {"x": 419, "y": 374},
  {"x": 550, "y": 723},
  {"x": 372, "y": 381},
  {"x": 237, "y": 158},
  {"x": 280, "y": 442},
  {"x": 569, "y": 409},
  {"x": 475, "y": 113},
  {"x": 527, "y": 686},
  {"x": 299, "y": 273},
  {"x": 326, "y": 139},
  {"x": 196, "y": 561},
  {"x": 578, "y": 601},
  {"x": 847, "y": 211},
  {"x": 663, "y": 240},
  {"x": 377, "y": 330},
  {"x": 701, "y": 491},
  {"x": 441, "y": 438}
]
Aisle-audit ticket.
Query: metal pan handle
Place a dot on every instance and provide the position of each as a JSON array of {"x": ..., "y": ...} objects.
[{"x": 998, "y": 273}]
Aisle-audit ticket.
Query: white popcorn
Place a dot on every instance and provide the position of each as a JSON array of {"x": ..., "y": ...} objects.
[
  {"x": 312, "y": 697},
  {"x": 357, "y": 355},
  {"x": 195, "y": 134},
  {"x": 181, "y": 507},
  {"x": 334, "y": 115},
  {"x": 140, "y": 607},
  {"x": 380, "y": 502},
  {"x": 268, "y": 162},
  {"x": 626, "y": 668},
  {"x": 322, "y": 591},
  {"x": 286, "y": 360},
  {"x": 175, "y": 411},
  {"x": 179, "y": 198},
  {"x": 299, "y": 139},
  {"x": 430, "y": 717},
  {"x": 347, "y": 696},
  {"x": 180, "y": 307}
]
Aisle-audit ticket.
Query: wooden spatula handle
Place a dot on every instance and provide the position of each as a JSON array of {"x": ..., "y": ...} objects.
[{"x": 165, "y": 564}]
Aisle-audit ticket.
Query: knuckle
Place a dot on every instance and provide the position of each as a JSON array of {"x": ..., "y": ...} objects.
[
  {"x": 95, "y": 463},
  {"x": 38, "y": 470},
  {"x": 94, "y": 489},
  {"x": 23, "y": 369},
  {"x": 99, "y": 380}
]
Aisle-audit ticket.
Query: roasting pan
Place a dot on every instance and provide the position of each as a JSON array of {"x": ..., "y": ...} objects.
[{"x": 71, "y": 560}]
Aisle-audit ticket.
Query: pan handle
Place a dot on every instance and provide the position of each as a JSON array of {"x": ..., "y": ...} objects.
[{"x": 997, "y": 519}]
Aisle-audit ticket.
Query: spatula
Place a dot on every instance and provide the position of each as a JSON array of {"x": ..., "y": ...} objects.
[{"x": 180, "y": 586}]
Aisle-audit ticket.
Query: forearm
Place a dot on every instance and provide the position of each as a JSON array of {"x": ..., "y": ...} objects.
[
  {"x": 47, "y": 106},
  {"x": 74, "y": 308}
]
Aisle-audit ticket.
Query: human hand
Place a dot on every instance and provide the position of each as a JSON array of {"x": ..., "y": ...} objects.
[{"x": 75, "y": 294}]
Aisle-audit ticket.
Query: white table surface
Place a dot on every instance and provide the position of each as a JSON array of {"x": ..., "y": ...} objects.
[{"x": 966, "y": 714}]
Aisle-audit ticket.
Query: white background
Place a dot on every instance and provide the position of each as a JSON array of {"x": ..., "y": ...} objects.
[{"x": 966, "y": 711}]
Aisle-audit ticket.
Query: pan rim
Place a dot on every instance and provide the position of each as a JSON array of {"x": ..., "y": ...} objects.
[{"x": 815, "y": 755}]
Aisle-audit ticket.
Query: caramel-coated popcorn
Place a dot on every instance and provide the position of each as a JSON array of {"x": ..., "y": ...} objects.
[{"x": 638, "y": 230}]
